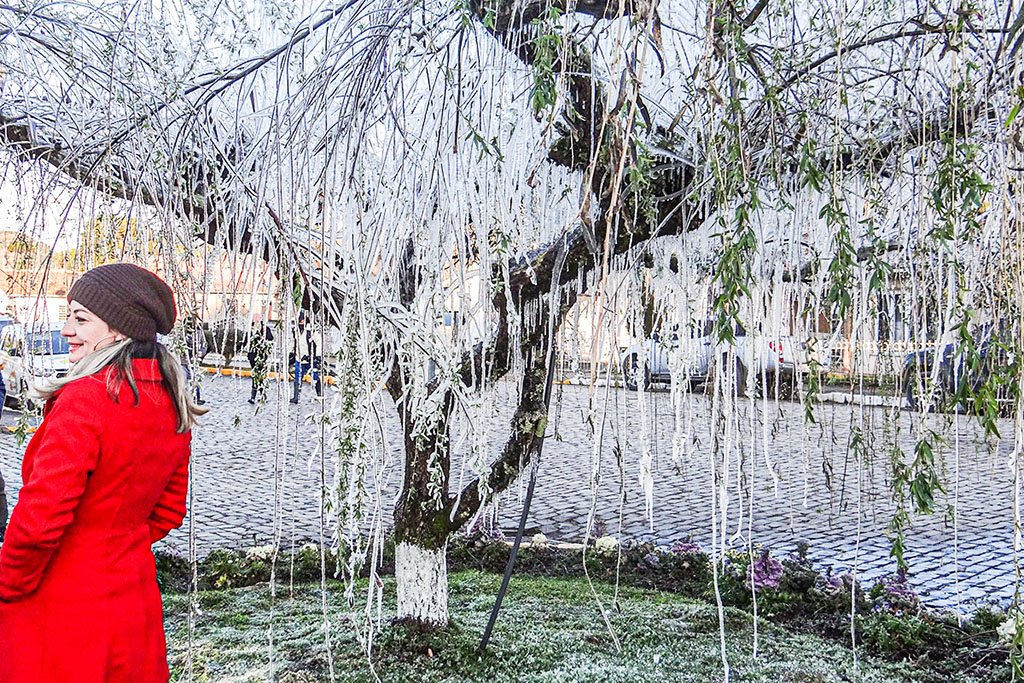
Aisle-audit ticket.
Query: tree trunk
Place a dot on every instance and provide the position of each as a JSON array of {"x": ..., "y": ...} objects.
[
  {"x": 421, "y": 575},
  {"x": 422, "y": 526}
]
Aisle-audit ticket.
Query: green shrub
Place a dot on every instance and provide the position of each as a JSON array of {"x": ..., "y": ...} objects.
[
  {"x": 892, "y": 635},
  {"x": 223, "y": 569},
  {"x": 989, "y": 618},
  {"x": 173, "y": 572}
]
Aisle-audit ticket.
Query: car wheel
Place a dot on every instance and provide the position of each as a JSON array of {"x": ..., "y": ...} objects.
[
  {"x": 910, "y": 381},
  {"x": 629, "y": 370},
  {"x": 631, "y": 374},
  {"x": 771, "y": 389},
  {"x": 741, "y": 379},
  {"x": 778, "y": 386},
  {"x": 787, "y": 386}
]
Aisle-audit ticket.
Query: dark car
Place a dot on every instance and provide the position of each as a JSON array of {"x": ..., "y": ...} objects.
[{"x": 955, "y": 381}]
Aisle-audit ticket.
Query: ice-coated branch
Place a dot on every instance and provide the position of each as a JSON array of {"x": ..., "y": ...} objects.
[
  {"x": 677, "y": 208},
  {"x": 528, "y": 425},
  {"x": 921, "y": 30},
  {"x": 21, "y": 136}
]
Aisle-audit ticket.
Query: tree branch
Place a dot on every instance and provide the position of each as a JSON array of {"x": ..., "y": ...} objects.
[
  {"x": 809, "y": 269},
  {"x": 218, "y": 83},
  {"x": 528, "y": 426},
  {"x": 754, "y": 14},
  {"x": 867, "y": 42}
]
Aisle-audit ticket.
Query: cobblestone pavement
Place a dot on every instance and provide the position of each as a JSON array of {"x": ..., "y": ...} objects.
[{"x": 260, "y": 477}]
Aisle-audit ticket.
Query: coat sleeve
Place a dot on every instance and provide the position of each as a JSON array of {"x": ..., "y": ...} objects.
[
  {"x": 65, "y": 455},
  {"x": 170, "y": 509}
]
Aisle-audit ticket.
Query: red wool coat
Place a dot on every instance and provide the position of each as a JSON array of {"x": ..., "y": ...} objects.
[{"x": 103, "y": 480}]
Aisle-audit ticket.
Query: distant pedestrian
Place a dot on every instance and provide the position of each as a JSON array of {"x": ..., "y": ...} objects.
[
  {"x": 304, "y": 357},
  {"x": 261, "y": 342},
  {"x": 104, "y": 477}
]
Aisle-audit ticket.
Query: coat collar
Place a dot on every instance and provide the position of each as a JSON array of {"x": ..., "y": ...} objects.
[
  {"x": 143, "y": 370},
  {"x": 146, "y": 370}
]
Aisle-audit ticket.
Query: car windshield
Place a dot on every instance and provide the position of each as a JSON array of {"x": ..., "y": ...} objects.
[{"x": 47, "y": 343}]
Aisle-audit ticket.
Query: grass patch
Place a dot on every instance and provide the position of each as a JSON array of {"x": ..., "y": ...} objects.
[{"x": 550, "y": 630}]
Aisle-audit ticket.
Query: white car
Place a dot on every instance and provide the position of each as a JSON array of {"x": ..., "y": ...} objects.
[
  {"x": 649, "y": 361},
  {"x": 28, "y": 354},
  {"x": 775, "y": 358}
]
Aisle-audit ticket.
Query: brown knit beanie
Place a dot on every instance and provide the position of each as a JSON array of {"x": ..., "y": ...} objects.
[{"x": 132, "y": 300}]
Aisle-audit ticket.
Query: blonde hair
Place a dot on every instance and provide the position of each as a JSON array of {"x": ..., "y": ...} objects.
[{"x": 120, "y": 355}]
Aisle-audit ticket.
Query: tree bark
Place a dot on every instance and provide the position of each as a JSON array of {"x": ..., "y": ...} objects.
[{"x": 421, "y": 576}]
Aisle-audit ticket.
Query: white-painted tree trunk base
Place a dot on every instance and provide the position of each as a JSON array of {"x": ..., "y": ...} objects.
[{"x": 421, "y": 576}]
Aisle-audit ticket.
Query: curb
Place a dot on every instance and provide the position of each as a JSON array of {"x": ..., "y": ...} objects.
[
  {"x": 240, "y": 372},
  {"x": 840, "y": 397},
  {"x": 873, "y": 400}
]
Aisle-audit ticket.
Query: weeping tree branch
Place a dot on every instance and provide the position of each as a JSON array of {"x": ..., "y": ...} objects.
[
  {"x": 567, "y": 259},
  {"x": 216, "y": 84},
  {"x": 20, "y": 136},
  {"x": 673, "y": 213},
  {"x": 875, "y": 155},
  {"x": 923, "y": 30},
  {"x": 528, "y": 426},
  {"x": 810, "y": 268},
  {"x": 755, "y": 12},
  {"x": 101, "y": 171},
  {"x": 507, "y": 20}
]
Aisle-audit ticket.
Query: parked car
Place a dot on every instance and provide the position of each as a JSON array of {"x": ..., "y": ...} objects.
[
  {"x": 952, "y": 377},
  {"x": 31, "y": 353},
  {"x": 648, "y": 362},
  {"x": 778, "y": 359}
]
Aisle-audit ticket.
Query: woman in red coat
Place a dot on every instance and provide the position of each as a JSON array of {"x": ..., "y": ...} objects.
[{"x": 105, "y": 476}]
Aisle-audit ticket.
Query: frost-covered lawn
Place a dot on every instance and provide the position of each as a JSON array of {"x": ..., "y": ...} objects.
[{"x": 549, "y": 630}]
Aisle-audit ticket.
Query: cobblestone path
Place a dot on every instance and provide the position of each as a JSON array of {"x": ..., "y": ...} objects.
[{"x": 260, "y": 477}]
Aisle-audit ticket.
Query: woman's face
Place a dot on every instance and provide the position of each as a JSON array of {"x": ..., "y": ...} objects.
[{"x": 86, "y": 332}]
